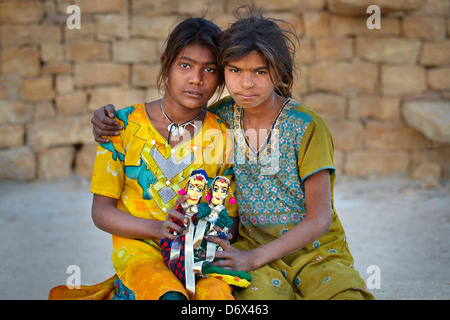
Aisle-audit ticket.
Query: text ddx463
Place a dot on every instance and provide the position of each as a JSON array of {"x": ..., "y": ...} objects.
[{"x": 238, "y": 309}]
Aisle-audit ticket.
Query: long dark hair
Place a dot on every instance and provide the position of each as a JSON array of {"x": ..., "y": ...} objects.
[
  {"x": 194, "y": 30},
  {"x": 275, "y": 39}
]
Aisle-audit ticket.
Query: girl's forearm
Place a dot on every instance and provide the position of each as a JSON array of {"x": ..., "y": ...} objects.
[{"x": 117, "y": 222}]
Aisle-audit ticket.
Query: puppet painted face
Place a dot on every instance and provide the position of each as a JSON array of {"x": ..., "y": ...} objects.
[
  {"x": 195, "y": 189},
  {"x": 219, "y": 191}
]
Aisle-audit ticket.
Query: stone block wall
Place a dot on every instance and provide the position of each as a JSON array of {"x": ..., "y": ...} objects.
[{"x": 383, "y": 92}]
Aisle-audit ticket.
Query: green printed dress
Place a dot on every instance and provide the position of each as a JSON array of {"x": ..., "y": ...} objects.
[{"x": 271, "y": 198}]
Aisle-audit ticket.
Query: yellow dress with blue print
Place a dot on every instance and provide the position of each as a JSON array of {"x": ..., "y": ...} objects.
[{"x": 142, "y": 171}]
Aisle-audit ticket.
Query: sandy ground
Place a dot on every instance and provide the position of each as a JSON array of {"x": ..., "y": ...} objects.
[{"x": 391, "y": 223}]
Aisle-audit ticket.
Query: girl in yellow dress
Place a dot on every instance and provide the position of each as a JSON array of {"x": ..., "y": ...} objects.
[{"x": 138, "y": 174}]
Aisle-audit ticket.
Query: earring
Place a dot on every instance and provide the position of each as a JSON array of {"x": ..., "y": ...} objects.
[
  {"x": 232, "y": 199},
  {"x": 183, "y": 191}
]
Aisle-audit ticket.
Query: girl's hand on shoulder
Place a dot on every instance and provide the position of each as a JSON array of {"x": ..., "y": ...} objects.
[
  {"x": 233, "y": 259},
  {"x": 104, "y": 124},
  {"x": 170, "y": 225}
]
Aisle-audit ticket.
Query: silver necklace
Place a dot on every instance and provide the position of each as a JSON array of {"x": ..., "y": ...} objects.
[{"x": 177, "y": 129}]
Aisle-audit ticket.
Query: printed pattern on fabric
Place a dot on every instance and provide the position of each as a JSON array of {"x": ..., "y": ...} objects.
[
  {"x": 270, "y": 188},
  {"x": 145, "y": 173}
]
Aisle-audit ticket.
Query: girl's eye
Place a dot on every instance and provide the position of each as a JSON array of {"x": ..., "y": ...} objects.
[
  {"x": 210, "y": 69},
  {"x": 233, "y": 70},
  {"x": 184, "y": 65},
  {"x": 260, "y": 72}
]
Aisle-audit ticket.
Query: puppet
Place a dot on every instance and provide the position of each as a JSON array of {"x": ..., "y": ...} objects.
[{"x": 189, "y": 255}]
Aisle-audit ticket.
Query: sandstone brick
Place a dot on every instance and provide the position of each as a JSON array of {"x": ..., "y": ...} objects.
[
  {"x": 388, "y": 50},
  {"x": 10, "y": 85},
  {"x": 435, "y": 53},
  {"x": 17, "y": 164},
  {"x": 426, "y": 28},
  {"x": 55, "y": 163},
  {"x": 144, "y": 75},
  {"x": 359, "y": 7},
  {"x": 433, "y": 7},
  {"x": 366, "y": 162},
  {"x": 344, "y": 77},
  {"x": 339, "y": 160},
  {"x": 153, "y": 8},
  {"x": 21, "y": 12},
  {"x": 57, "y": 68},
  {"x": 112, "y": 26},
  {"x": 38, "y": 89},
  {"x": 330, "y": 106},
  {"x": 43, "y": 110},
  {"x": 402, "y": 80},
  {"x": 98, "y": 6},
  {"x": 52, "y": 52},
  {"x": 393, "y": 136},
  {"x": 300, "y": 85},
  {"x": 439, "y": 79},
  {"x": 199, "y": 7},
  {"x": 379, "y": 108},
  {"x": 19, "y": 36},
  {"x": 316, "y": 24},
  {"x": 15, "y": 112},
  {"x": 347, "y": 135},
  {"x": 12, "y": 136},
  {"x": 345, "y": 26},
  {"x": 100, "y": 73},
  {"x": 305, "y": 53},
  {"x": 439, "y": 155},
  {"x": 119, "y": 97},
  {"x": 288, "y": 5},
  {"x": 135, "y": 51},
  {"x": 63, "y": 130},
  {"x": 86, "y": 32},
  {"x": 71, "y": 103},
  {"x": 154, "y": 28},
  {"x": 87, "y": 50},
  {"x": 429, "y": 173},
  {"x": 64, "y": 83},
  {"x": 333, "y": 49},
  {"x": 24, "y": 61},
  {"x": 84, "y": 160},
  {"x": 153, "y": 94}
]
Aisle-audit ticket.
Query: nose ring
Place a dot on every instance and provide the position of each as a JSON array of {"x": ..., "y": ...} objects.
[
  {"x": 252, "y": 85},
  {"x": 201, "y": 82}
]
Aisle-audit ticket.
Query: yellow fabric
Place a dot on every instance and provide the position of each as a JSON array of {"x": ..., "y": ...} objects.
[
  {"x": 101, "y": 291},
  {"x": 232, "y": 280},
  {"x": 141, "y": 268},
  {"x": 142, "y": 171}
]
